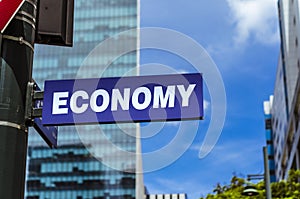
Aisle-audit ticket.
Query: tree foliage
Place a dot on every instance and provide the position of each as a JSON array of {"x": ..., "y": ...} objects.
[{"x": 289, "y": 189}]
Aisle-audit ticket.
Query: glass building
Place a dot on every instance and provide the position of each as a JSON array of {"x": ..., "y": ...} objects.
[
  {"x": 73, "y": 171},
  {"x": 269, "y": 138}
]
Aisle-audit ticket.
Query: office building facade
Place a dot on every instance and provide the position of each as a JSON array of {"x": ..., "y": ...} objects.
[
  {"x": 269, "y": 138},
  {"x": 285, "y": 108},
  {"x": 72, "y": 171}
]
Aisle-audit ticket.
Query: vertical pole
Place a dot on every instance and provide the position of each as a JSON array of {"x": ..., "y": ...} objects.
[
  {"x": 267, "y": 174},
  {"x": 16, "y": 57}
]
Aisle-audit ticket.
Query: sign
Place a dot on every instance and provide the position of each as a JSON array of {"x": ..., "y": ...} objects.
[
  {"x": 48, "y": 133},
  {"x": 8, "y": 9},
  {"x": 123, "y": 99}
]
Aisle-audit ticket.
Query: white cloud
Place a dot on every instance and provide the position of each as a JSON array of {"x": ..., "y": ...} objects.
[
  {"x": 255, "y": 19},
  {"x": 206, "y": 105},
  {"x": 240, "y": 154},
  {"x": 173, "y": 123}
]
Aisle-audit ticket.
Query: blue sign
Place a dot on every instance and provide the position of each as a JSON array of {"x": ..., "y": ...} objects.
[
  {"x": 123, "y": 99},
  {"x": 48, "y": 133}
]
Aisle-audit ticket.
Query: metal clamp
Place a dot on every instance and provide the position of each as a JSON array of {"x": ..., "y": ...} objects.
[
  {"x": 31, "y": 17},
  {"x": 21, "y": 18},
  {"x": 18, "y": 39},
  {"x": 34, "y": 4},
  {"x": 33, "y": 109},
  {"x": 26, "y": 17},
  {"x": 14, "y": 125}
]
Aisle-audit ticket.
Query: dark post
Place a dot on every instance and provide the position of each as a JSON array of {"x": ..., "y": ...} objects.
[
  {"x": 16, "y": 50},
  {"x": 267, "y": 173}
]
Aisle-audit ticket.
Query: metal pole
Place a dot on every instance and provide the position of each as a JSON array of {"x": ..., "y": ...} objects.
[
  {"x": 16, "y": 57},
  {"x": 267, "y": 174}
]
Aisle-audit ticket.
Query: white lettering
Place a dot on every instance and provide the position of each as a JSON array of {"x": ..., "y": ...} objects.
[
  {"x": 105, "y": 100},
  {"x": 57, "y": 102},
  {"x": 123, "y": 100},
  {"x": 185, "y": 94},
  {"x": 135, "y": 98},
  {"x": 73, "y": 102},
  {"x": 160, "y": 99},
  {"x": 100, "y": 100}
]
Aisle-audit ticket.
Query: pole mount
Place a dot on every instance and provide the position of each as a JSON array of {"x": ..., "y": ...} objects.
[{"x": 34, "y": 103}]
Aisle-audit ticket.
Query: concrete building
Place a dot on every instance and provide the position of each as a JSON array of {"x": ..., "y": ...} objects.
[
  {"x": 285, "y": 107},
  {"x": 71, "y": 171}
]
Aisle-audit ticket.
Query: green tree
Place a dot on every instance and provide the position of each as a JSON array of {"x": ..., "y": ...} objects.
[{"x": 289, "y": 189}]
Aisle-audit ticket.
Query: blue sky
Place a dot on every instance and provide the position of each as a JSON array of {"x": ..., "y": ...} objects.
[{"x": 241, "y": 36}]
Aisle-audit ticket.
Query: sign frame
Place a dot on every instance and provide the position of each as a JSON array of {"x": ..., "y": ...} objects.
[
  {"x": 48, "y": 133},
  {"x": 58, "y": 111}
]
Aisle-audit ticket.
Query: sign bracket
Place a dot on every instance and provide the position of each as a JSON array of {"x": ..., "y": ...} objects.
[
  {"x": 33, "y": 114},
  {"x": 34, "y": 103}
]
